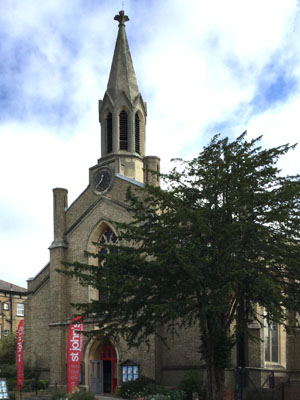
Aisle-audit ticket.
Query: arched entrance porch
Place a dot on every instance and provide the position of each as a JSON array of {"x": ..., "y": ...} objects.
[{"x": 102, "y": 368}]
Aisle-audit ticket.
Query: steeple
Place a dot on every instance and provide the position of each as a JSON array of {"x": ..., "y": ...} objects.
[
  {"x": 122, "y": 76},
  {"x": 122, "y": 116}
]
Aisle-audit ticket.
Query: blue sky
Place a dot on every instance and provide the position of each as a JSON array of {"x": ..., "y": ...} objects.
[{"x": 203, "y": 68}]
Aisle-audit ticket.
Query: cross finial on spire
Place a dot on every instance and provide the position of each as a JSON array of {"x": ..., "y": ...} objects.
[{"x": 122, "y": 18}]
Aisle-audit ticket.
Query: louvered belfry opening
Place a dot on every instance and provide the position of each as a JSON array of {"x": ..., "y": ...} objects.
[
  {"x": 137, "y": 133},
  {"x": 109, "y": 133},
  {"x": 123, "y": 130}
]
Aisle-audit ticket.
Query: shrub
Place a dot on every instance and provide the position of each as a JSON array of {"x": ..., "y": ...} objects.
[
  {"x": 59, "y": 396},
  {"x": 118, "y": 391},
  {"x": 34, "y": 385},
  {"x": 8, "y": 347},
  {"x": 146, "y": 389},
  {"x": 44, "y": 384},
  {"x": 157, "y": 396},
  {"x": 135, "y": 388},
  {"x": 167, "y": 394},
  {"x": 11, "y": 382},
  {"x": 7, "y": 370},
  {"x": 81, "y": 395},
  {"x": 153, "y": 388},
  {"x": 176, "y": 394},
  {"x": 190, "y": 384},
  {"x": 76, "y": 395}
]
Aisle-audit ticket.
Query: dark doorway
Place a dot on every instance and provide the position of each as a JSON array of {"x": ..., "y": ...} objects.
[
  {"x": 109, "y": 358},
  {"x": 107, "y": 377}
]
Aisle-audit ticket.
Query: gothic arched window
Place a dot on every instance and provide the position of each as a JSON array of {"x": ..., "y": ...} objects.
[
  {"x": 123, "y": 130},
  {"x": 271, "y": 341},
  {"x": 137, "y": 133},
  {"x": 106, "y": 237},
  {"x": 109, "y": 133}
]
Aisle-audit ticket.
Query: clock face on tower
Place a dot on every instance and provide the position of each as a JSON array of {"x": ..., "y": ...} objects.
[{"x": 102, "y": 180}]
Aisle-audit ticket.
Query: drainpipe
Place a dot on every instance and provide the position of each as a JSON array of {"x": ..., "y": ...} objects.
[{"x": 11, "y": 310}]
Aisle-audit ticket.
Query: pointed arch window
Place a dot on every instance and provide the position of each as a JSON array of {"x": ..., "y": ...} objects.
[
  {"x": 106, "y": 237},
  {"x": 123, "y": 130},
  {"x": 137, "y": 133},
  {"x": 271, "y": 341},
  {"x": 109, "y": 133}
]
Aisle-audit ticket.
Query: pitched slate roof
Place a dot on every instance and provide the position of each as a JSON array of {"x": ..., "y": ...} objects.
[{"x": 6, "y": 286}]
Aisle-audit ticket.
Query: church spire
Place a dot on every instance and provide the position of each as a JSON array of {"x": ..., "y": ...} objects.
[
  {"x": 122, "y": 76},
  {"x": 122, "y": 116}
]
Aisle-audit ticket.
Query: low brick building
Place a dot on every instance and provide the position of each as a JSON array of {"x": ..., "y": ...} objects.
[{"x": 12, "y": 299}]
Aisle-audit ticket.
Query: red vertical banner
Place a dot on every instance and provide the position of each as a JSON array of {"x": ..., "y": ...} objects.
[
  {"x": 20, "y": 367},
  {"x": 75, "y": 340}
]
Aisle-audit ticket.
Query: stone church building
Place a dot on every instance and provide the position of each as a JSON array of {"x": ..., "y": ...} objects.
[{"x": 48, "y": 310}]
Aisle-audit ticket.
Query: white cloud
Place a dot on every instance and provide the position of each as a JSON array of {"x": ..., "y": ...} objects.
[{"x": 198, "y": 64}]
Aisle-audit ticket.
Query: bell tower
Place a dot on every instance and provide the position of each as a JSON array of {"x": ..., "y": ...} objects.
[{"x": 122, "y": 116}]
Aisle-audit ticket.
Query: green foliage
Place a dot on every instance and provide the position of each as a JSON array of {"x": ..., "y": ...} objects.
[
  {"x": 58, "y": 396},
  {"x": 157, "y": 396},
  {"x": 225, "y": 233},
  {"x": 8, "y": 367},
  {"x": 30, "y": 385},
  {"x": 134, "y": 388},
  {"x": 76, "y": 395},
  {"x": 189, "y": 384},
  {"x": 81, "y": 395},
  {"x": 167, "y": 395},
  {"x": 8, "y": 345},
  {"x": 44, "y": 384},
  {"x": 177, "y": 394},
  {"x": 117, "y": 391},
  {"x": 32, "y": 373},
  {"x": 223, "y": 346},
  {"x": 8, "y": 371},
  {"x": 147, "y": 388},
  {"x": 11, "y": 382},
  {"x": 31, "y": 378},
  {"x": 153, "y": 388}
]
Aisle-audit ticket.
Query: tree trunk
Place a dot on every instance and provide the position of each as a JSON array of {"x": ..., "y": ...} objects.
[
  {"x": 215, "y": 375},
  {"x": 215, "y": 379}
]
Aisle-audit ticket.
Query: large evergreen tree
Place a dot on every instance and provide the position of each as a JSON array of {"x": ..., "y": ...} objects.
[{"x": 222, "y": 236}]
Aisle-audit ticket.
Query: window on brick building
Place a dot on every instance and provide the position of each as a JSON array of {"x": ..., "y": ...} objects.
[
  {"x": 106, "y": 237},
  {"x": 271, "y": 337},
  {"x": 20, "y": 309}
]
